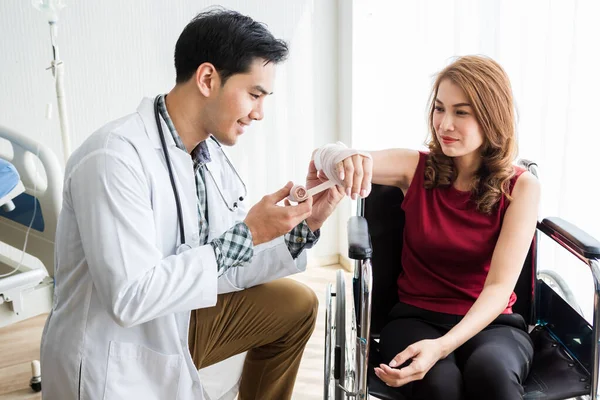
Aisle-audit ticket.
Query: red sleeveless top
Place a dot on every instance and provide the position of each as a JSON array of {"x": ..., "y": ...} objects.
[{"x": 448, "y": 246}]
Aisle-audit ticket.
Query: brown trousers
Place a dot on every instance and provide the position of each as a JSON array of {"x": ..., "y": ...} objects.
[{"x": 272, "y": 322}]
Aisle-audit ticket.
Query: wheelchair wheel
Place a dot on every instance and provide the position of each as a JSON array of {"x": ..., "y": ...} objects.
[
  {"x": 335, "y": 340},
  {"x": 340, "y": 336},
  {"x": 560, "y": 286},
  {"x": 328, "y": 349}
]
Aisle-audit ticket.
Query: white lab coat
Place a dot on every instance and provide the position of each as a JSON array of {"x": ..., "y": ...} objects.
[{"x": 119, "y": 325}]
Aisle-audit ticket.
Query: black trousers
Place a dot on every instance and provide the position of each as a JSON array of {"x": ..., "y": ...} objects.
[{"x": 492, "y": 365}]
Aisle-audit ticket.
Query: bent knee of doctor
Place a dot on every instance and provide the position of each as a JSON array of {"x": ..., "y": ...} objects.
[{"x": 298, "y": 304}]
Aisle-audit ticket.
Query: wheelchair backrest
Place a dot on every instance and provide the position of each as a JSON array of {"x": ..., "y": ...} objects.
[{"x": 385, "y": 217}]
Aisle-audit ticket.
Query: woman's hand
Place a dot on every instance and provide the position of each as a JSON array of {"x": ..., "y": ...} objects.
[
  {"x": 424, "y": 355},
  {"x": 356, "y": 172}
]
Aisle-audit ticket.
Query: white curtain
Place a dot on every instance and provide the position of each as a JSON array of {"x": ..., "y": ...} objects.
[{"x": 549, "y": 50}]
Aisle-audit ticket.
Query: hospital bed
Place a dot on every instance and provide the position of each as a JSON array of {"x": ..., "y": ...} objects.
[
  {"x": 30, "y": 197},
  {"x": 10, "y": 185}
]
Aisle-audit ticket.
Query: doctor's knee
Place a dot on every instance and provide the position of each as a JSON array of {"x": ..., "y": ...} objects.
[{"x": 303, "y": 304}]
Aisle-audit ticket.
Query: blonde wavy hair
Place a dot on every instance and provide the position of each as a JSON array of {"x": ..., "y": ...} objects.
[{"x": 488, "y": 90}]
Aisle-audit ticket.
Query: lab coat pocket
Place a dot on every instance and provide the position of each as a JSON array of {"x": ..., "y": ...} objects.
[{"x": 136, "y": 372}]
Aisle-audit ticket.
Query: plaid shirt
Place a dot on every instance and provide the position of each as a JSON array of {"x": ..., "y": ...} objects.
[{"x": 234, "y": 247}]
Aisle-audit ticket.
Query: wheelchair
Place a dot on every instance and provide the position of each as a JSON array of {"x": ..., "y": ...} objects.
[{"x": 566, "y": 357}]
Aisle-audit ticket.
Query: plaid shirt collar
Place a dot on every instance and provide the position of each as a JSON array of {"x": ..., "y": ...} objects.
[{"x": 200, "y": 154}]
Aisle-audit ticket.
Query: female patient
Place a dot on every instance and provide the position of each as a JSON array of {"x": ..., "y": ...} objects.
[{"x": 470, "y": 219}]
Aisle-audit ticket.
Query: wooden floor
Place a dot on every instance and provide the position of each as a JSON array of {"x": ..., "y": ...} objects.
[{"x": 20, "y": 343}]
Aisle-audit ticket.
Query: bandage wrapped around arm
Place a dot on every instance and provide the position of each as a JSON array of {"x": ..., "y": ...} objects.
[{"x": 326, "y": 159}]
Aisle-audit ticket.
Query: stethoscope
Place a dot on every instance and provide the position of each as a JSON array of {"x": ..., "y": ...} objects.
[{"x": 184, "y": 246}]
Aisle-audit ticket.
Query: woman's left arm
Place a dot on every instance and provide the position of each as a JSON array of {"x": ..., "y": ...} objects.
[{"x": 518, "y": 228}]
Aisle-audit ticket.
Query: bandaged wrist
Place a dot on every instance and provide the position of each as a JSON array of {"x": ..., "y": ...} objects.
[{"x": 327, "y": 157}]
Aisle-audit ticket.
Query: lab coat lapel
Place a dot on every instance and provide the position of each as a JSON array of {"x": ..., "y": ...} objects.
[{"x": 183, "y": 170}]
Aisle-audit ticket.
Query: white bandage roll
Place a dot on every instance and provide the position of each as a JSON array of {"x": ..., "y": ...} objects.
[{"x": 299, "y": 193}]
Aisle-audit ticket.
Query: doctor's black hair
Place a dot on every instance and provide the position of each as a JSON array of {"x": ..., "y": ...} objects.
[{"x": 228, "y": 40}]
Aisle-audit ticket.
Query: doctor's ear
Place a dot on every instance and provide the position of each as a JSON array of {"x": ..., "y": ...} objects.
[{"x": 207, "y": 79}]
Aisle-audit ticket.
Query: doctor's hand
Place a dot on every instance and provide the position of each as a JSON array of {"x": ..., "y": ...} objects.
[
  {"x": 267, "y": 220},
  {"x": 424, "y": 355},
  {"x": 324, "y": 203}
]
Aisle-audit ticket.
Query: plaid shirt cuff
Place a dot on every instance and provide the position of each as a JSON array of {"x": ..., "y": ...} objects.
[
  {"x": 300, "y": 238},
  {"x": 233, "y": 248}
]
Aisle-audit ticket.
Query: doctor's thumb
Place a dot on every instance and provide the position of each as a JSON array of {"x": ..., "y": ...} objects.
[{"x": 282, "y": 193}]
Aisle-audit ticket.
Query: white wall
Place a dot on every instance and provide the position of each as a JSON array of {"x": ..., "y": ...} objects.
[
  {"x": 347, "y": 57},
  {"x": 115, "y": 52}
]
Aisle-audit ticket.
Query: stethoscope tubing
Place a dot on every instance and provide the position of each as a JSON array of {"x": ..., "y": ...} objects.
[{"x": 171, "y": 175}]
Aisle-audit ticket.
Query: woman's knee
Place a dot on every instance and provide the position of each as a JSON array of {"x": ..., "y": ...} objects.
[
  {"x": 490, "y": 378},
  {"x": 442, "y": 382}
]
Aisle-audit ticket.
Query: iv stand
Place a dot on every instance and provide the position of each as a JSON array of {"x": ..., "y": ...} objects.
[
  {"x": 58, "y": 72},
  {"x": 51, "y": 8}
]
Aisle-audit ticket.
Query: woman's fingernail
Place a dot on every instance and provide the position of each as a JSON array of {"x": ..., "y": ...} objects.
[
  {"x": 348, "y": 192},
  {"x": 363, "y": 193},
  {"x": 342, "y": 176},
  {"x": 393, "y": 363}
]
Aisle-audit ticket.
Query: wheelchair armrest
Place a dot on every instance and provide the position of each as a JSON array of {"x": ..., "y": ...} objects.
[
  {"x": 568, "y": 234},
  {"x": 359, "y": 241}
]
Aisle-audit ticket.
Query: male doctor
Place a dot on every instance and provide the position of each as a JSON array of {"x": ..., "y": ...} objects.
[{"x": 159, "y": 268}]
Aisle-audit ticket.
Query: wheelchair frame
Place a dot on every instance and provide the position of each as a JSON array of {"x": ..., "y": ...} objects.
[{"x": 349, "y": 383}]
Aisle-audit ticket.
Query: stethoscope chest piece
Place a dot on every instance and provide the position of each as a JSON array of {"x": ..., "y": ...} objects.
[{"x": 183, "y": 247}]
